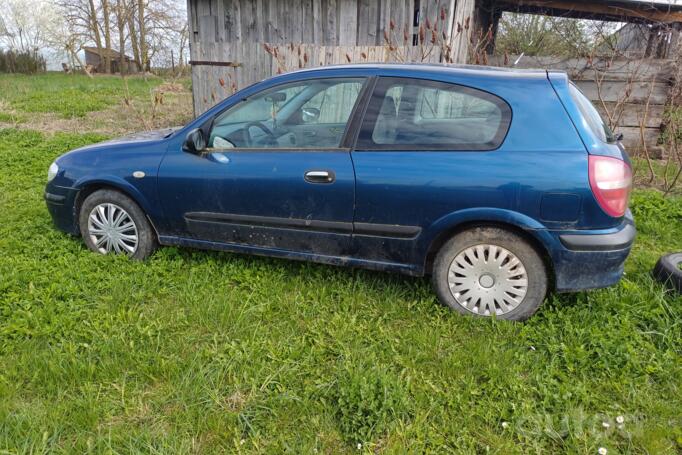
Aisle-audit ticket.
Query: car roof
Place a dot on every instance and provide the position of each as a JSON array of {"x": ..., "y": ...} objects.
[{"x": 434, "y": 68}]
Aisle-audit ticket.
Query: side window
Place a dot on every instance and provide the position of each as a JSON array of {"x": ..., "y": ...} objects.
[
  {"x": 453, "y": 104},
  {"x": 414, "y": 114},
  {"x": 335, "y": 103},
  {"x": 307, "y": 114}
]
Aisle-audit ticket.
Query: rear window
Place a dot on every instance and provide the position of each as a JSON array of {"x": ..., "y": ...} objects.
[
  {"x": 590, "y": 113},
  {"x": 416, "y": 114}
]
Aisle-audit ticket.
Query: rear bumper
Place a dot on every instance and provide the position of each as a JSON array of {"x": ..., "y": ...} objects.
[
  {"x": 61, "y": 202},
  {"x": 600, "y": 242},
  {"x": 591, "y": 259}
]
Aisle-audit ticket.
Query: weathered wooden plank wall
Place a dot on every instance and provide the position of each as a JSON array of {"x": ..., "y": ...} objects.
[
  {"x": 218, "y": 82},
  {"x": 306, "y": 33},
  {"x": 631, "y": 92}
]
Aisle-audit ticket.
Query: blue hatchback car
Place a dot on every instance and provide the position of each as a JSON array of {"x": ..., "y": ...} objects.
[{"x": 502, "y": 185}]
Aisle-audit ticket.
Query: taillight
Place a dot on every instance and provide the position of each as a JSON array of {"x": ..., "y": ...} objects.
[{"x": 611, "y": 181}]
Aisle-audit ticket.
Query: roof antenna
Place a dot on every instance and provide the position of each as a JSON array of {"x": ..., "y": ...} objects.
[
  {"x": 522, "y": 54},
  {"x": 519, "y": 59}
]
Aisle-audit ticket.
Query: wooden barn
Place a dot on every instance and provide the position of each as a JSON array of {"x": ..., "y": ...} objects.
[
  {"x": 234, "y": 43},
  {"x": 96, "y": 58}
]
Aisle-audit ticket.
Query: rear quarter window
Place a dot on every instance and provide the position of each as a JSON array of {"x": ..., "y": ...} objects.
[
  {"x": 416, "y": 114},
  {"x": 597, "y": 124}
]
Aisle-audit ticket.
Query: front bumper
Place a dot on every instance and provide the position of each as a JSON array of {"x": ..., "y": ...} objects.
[
  {"x": 61, "y": 203},
  {"x": 591, "y": 259}
]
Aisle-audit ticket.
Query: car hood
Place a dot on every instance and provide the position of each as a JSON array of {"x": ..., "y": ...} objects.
[
  {"x": 143, "y": 136},
  {"x": 137, "y": 144}
]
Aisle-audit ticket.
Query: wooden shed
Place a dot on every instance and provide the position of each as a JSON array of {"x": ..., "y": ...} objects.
[{"x": 96, "y": 58}]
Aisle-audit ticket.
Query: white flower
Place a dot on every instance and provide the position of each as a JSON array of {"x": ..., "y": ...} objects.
[
  {"x": 505, "y": 424},
  {"x": 602, "y": 451},
  {"x": 532, "y": 348},
  {"x": 241, "y": 443},
  {"x": 605, "y": 424},
  {"x": 359, "y": 446},
  {"x": 620, "y": 419}
]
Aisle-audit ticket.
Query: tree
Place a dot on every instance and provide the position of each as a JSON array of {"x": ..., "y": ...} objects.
[
  {"x": 21, "y": 28},
  {"x": 94, "y": 28},
  {"x": 64, "y": 42},
  {"x": 166, "y": 31},
  {"x": 533, "y": 34},
  {"x": 144, "y": 57},
  {"x": 147, "y": 29},
  {"x": 122, "y": 13},
  {"x": 107, "y": 35}
]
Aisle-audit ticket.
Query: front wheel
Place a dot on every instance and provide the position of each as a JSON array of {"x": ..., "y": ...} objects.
[
  {"x": 112, "y": 223},
  {"x": 489, "y": 271}
]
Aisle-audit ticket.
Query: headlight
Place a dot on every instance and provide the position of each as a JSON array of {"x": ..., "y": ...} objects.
[{"x": 52, "y": 172}]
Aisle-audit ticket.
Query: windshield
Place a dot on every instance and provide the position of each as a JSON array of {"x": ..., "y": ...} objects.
[{"x": 590, "y": 113}]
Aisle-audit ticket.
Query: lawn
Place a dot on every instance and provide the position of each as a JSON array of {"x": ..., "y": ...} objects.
[
  {"x": 55, "y": 102},
  {"x": 204, "y": 352}
]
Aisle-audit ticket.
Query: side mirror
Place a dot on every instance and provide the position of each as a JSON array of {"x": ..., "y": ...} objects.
[
  {"x": 195, "y": 142},
  {"x": 310, "y": 114}
]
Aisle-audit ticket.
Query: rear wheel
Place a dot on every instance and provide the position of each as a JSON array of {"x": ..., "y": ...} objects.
[
  {"x": 112, "y": 223},
  {"x": 489, "y": 271}
]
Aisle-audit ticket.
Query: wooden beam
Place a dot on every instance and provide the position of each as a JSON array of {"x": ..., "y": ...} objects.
[
  {"x": 625, "y": 11},
  {"x": 212, "y": 63}
]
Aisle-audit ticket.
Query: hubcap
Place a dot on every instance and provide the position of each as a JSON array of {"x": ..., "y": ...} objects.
[
  {"x": 487, "y": 279},
  {"x": 112, "y": 229}
]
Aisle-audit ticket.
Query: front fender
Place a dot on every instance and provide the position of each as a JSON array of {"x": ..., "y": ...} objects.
[{"x": 142, "y": 191}]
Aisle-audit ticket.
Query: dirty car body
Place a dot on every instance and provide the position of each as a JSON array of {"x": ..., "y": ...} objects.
[{"x": 378, "y": 166}]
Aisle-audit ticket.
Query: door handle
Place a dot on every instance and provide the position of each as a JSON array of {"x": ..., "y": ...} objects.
[{"x": 319, "y": 176}]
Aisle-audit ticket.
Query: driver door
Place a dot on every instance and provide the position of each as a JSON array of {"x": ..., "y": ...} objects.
[{"x": 274, "y": 174}]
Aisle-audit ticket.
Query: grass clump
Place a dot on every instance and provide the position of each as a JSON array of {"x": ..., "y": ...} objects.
[
  {"x": 369, "y": 400},
  {"x": 6, "y": 117}
]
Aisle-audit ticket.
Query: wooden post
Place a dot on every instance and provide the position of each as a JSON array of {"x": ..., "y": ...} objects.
[{"x": 459, "y": 34}]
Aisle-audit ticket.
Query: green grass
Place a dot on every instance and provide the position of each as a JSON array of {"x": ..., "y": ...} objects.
[
  {"x": 70, "y": 95},
  {"x": 11, "y": 118},
  {"x": 204, "y": 352}
]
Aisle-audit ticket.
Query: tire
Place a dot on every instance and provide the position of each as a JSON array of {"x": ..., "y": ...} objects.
[
  {"x": 667, "y": 271},
  {"x": 482, "y": 262},
  {"x": 120, "y": 237}
]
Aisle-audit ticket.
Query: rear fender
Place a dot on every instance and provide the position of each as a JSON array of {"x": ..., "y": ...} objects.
[{"x": 446, "y": 226}]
